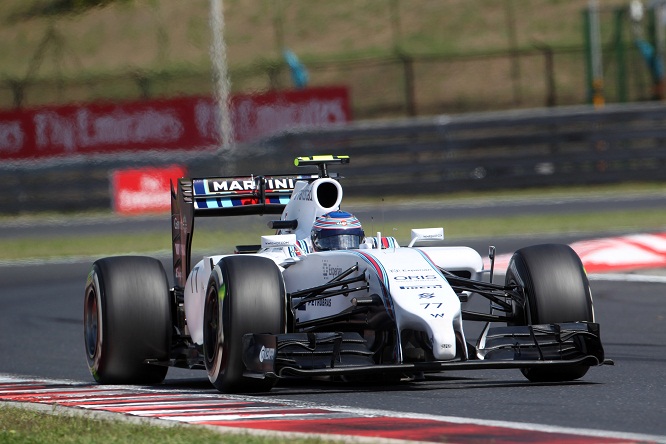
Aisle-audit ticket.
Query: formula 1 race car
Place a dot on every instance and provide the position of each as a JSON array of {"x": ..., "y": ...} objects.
[{"x": 320, "y": 297}]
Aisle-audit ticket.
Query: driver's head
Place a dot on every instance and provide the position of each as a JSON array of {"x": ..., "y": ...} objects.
[{"x": 337, "y": 230}]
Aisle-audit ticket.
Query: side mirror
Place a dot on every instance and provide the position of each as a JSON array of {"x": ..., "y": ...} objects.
[
  {"x": 278, "y": 241},
  {"x": 426, "y": 235}
]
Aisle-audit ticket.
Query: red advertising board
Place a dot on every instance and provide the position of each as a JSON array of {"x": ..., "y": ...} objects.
[
  {"x": 144, "y": 190},
  {"x": 183, "y": 123}
]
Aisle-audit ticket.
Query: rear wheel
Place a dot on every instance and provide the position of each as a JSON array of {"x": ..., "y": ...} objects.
[
  {"x": 557, "y": 290},
  {"x": 245, "y": 294},
  {"x": 126, "y": 320}
]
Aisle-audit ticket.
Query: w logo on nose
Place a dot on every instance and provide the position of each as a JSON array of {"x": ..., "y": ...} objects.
[{"x": 437, "y": 315}]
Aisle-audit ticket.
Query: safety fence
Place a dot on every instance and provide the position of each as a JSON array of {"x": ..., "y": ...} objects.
[
  {"x": 510, "y": 150},
  {"x": 442, "y": 154}
]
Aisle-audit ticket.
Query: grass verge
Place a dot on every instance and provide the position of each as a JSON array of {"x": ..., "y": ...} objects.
[
  {"x": 224, "y": 241},
  {"x": 24, "y": 426}
]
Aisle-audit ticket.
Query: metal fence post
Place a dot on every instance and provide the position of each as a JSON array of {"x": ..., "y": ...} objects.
[{"x": 410, "y": 93}]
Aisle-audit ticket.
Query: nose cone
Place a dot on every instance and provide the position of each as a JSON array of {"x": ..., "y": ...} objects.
[{"x": 444, "y": 340}]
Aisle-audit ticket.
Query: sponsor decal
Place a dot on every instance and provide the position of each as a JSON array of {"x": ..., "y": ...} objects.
[
  {"x": 280, "y": 184},
  {"x": 266, "y": 354},
  {"x": 85, "y": 128},
  {"x": 178, "y": 124},
  {"x": 410, "y": 270},
  {"x": 320, "y": 303},
  {"x": 421, "y": 287},
  {"x": 426, "y": 295},
  {"x": 420, "y": 277},
  {"x": 248, "y": 184},
  {"x": 329, "y": 270},
  {"x": 278, "y": 241},
  {"x": 270, "y": 244},
  {"x": 230, "y": 185},
  {"x": 304, "y": 194},
  {"x": 144, "y": 190}
]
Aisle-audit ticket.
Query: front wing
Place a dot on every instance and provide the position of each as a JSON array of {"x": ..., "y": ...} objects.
[{"x": 329, "y": 354}]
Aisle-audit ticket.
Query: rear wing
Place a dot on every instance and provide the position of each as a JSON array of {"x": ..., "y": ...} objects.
[
  {"x": 231, "y": 196},
  {"x": 222, "y": 196}
]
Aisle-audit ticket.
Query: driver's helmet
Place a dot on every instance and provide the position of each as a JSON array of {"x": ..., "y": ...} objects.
[{"x": 337, "y": 230}]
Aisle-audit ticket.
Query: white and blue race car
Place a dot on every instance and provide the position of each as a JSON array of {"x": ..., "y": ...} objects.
[{"x": 320, "y": 297}]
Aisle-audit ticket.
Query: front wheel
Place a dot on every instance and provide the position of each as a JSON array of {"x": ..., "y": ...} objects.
[
  {"x": 557, "y": 290},
  {"x": 245, "y": 294},
  {"x": 127, "y": 320}
]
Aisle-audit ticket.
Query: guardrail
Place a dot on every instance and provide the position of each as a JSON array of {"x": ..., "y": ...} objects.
[{"x": 517, "y": 149}]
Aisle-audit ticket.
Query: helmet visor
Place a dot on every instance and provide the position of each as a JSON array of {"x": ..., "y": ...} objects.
[{"x": 339, "y": 242}]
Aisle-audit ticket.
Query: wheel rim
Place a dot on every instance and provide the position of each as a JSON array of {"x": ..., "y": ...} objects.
[
  {"x": 211, "y": 327},
  {"x": 91, "y": 324}
]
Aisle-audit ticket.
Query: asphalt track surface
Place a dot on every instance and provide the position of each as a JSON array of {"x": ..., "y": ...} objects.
[{"x": 41, "y": 336}]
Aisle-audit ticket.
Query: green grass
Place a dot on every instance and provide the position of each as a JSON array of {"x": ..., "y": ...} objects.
[
  {"x": 67, "y": 246},
  {"x": 547, "y": 224},
  {"x": 224, "y": 241},
  {"x": 23, "y": 426}
]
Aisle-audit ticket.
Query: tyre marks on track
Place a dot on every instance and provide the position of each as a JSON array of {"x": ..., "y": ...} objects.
[{"x": 254, "y": 413}]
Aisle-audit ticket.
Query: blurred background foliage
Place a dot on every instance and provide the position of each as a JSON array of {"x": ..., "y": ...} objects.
[{"x": 398, "y": 57}]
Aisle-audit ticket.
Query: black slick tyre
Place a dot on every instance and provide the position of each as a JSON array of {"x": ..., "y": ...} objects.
[
  {"x": 127, "y": 320},
  {"x": 557, "y": 290},
  {"x": 245, "y": 294}
]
